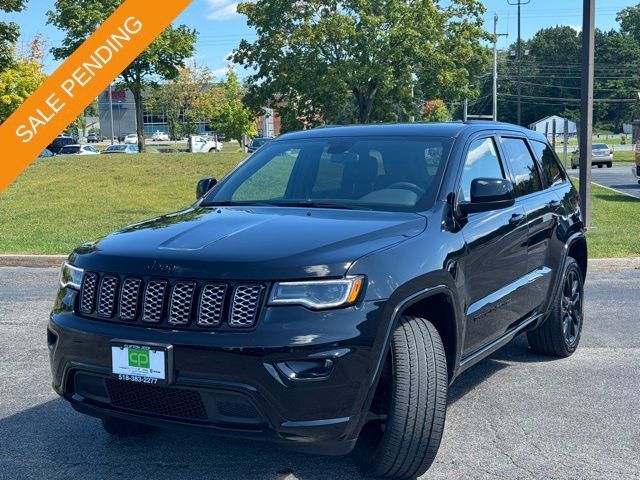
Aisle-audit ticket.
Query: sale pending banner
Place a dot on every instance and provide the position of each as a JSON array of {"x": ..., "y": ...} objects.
[{"x": 79, "y": 80}]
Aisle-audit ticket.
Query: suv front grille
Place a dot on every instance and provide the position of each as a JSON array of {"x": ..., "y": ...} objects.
[{"x": 171, "y": 303}]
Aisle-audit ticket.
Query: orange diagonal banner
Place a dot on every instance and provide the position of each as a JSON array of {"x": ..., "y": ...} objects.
[{"x": 79, "y": 80}]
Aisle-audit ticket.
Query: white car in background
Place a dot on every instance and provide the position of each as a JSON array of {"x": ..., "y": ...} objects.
[
  {"x": 160, "y": 137},
  {"x": 200, "y": 144},
  {"x": 131, "y": 139},
  {"x": 78, "y": 150}
]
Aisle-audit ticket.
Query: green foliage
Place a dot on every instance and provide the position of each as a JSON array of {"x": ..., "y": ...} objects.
[
  {"x": 235, "y": 120},
  {"x": 9, "y": 32},
  {"x": 161, "y": 60},
  {"x": 20, "y": 78},
  {"x": 330, "y": 61},
  {"x": 435, "y": 111},
  {"x": 181, "y": 99}
]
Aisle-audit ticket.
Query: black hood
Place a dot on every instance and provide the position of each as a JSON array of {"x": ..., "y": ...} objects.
[{"x": 258, "y": 243}]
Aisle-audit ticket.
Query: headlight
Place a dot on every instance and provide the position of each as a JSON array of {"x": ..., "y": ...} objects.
[
  {"x": 318, "y": 294},
  {"x": 70, "y": 276}
]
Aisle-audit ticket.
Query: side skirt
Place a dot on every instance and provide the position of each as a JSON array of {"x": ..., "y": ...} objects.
[{"x": 487, "y": 350}]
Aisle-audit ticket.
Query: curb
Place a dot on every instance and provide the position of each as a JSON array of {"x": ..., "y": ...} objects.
[
  {"x": 32, "y": 260},
  {"x": 55, "y": 261}
]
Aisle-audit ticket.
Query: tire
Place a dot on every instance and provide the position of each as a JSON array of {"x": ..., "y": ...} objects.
[
  {"x": 609, "y": 165},
  {"x": 408, "y": 411},
  {"x": 574, "y": 166},
  {"x": 600, "y": 165},
  {"x": 559, "y": 335},
  {"x": 124, "y": 428}
]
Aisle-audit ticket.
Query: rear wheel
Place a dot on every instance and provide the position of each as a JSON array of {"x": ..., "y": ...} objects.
[
  {"x": 124, "y": 428},
  {"x": 559, "y": 335},
  {"x": 407, "y": 415},
  {"x": 609, "y": 165},
  {"x": 600, "y": 165}
]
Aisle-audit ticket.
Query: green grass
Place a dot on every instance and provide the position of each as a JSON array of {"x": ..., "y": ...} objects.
[
  {"x": 616, "y": 222},
  {"x": 61, "y": 202}
]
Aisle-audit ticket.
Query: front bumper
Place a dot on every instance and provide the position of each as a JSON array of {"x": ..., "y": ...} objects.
[{"x": 230, "y": 382}]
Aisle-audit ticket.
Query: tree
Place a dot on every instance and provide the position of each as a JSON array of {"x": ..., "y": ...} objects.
[
  {"x": 180, "y": 99},
  {"x": 435, "y": 111},
  {"x": 357, "y": 60},
  {"x": 20, "y": 78},
  {"x": 162, "y": 59},
  {"x": 9, "y": 32},
  {"x": 235, "y": 120}
]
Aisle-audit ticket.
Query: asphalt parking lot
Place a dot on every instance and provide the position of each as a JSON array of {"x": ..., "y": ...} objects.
[
  {"x": 618, "y": 178},
  {"x": 513, "y": 416}
]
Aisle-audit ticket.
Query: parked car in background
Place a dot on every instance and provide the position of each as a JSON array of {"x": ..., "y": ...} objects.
[
  {"x": 256, "y": 143},
  {"x": 121, "y": 148},
  {"x": 46, "y": 153},
  {"x": 94, "y": 138},
  {"x": 78, "y": 150},
  {"x": 160, "y": 136},
  {"x": 132, "y": 139},
  {"x": 59, "y": 142},
  {"x": 601, "y": 154},
  {"x": 200, "y": 144}
]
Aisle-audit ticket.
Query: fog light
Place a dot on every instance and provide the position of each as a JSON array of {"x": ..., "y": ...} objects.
[{"x": 306, "y": 369}]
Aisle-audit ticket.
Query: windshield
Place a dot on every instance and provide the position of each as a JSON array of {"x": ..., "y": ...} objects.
[
  {"x": 258, "y": 142},
  {"x": 116, "y": 148},
  {"x": 600, "y": 146},
  {"x": 375, "y": 173}
]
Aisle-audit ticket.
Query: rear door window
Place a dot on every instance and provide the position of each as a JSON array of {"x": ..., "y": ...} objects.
[{"x": 523, "y": 168}]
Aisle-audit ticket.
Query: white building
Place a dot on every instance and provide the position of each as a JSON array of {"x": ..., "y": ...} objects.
[{"x": 546, "y": 125}]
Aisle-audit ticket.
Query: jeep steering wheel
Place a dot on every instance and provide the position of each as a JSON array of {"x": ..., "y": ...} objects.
[{"x": 408, "y": 186}]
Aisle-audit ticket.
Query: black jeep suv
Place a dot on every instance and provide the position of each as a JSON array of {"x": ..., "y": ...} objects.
[{"x": 327, "y": 291}]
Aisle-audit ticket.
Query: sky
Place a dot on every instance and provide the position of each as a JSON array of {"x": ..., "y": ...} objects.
[{"x": 221, "y": 28}]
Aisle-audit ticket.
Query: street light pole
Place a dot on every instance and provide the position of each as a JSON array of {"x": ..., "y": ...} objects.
[
  {"x": 519, "y": 3},
  {"x": 586, "y": 107}
]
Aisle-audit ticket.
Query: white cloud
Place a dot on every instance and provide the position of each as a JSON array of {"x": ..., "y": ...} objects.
[
  {"x": 222, "y": 9},
  {"x": 220, "y": 73}
]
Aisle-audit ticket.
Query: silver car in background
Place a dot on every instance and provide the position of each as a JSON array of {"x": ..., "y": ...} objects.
[{"x": 601, "y": 154}]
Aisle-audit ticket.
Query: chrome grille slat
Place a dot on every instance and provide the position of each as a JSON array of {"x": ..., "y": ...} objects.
[
  {"x": 154, "y": 301},
  {"x": 88, "y": 297},
  {"x": 129, "y": 298},
  {"x": 107, "y": 295},
  {"x": 244, "y": 306},
  {"x": 211, "y": 306},
  {"x": 181, "y": 301}
]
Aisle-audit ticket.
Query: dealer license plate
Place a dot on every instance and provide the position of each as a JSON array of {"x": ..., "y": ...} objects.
[{"x": 139, "y": 363}]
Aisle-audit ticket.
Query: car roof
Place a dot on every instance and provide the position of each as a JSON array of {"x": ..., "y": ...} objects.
[{"x": 444, "y": 129}]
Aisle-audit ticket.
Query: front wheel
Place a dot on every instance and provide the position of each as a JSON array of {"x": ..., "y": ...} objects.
[
  {"x": 559, "y": 335},
  {"x": 609, "y": 165},
  {"x": 406, "y": 419}
]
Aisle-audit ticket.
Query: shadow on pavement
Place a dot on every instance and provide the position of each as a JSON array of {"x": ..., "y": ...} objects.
[{"x": 53, "y": 441}]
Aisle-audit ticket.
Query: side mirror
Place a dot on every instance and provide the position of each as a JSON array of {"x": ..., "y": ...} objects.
[
  {"x": 489, "y": 194},
  {"x": 204, "y": 186}
]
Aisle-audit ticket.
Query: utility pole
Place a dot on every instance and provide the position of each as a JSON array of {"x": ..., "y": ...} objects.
[
  {"x": 111, "y": 110},
  {"x": 586, "y": 107},
  {"x": 519, "y": 3},
  {"x": 495, "y": 65}
]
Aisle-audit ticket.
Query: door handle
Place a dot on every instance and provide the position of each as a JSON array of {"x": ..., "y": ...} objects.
[
  {"x": 554, "y": 204},
  {"x": 517, "y": 218}
]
